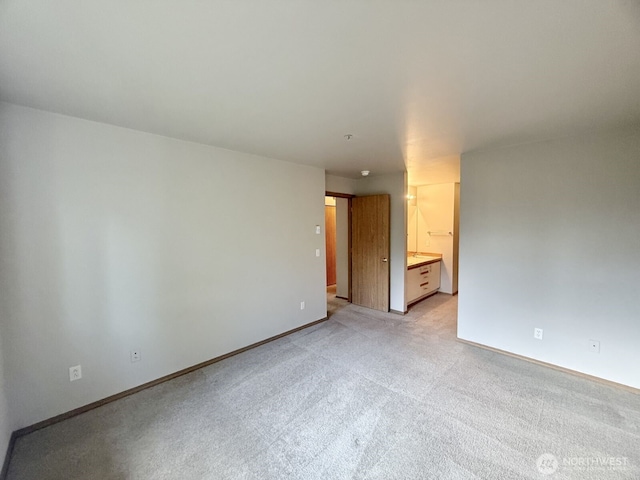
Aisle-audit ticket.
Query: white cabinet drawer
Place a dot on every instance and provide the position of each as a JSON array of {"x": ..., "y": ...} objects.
[
  {"x": 426, "y": 286},
  {"x": 425, "y": 269}
]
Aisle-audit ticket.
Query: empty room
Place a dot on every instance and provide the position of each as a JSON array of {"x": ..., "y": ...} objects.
[{"x": 320, "y": 240}]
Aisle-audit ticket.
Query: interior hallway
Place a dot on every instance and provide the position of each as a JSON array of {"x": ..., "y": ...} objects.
[{"x": 363, "y": 395}]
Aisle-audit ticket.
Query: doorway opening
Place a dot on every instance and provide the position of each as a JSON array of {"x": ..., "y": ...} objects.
[
  {"x": 330, "y": 240},
  {"x": 338, "y": 250}
]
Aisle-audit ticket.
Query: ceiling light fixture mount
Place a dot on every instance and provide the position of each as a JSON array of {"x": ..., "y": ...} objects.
[
  {"x": 348, "y": 136},
  {"x": 364, "y": 173}
]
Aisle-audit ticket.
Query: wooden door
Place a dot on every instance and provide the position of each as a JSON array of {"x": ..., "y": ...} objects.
[
  {"x": 330, "y": 239},
  {"x": 370, "y": 251}
]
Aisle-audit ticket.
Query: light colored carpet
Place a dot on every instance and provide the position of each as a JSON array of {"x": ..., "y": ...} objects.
[{"x": 363, "y": 395}]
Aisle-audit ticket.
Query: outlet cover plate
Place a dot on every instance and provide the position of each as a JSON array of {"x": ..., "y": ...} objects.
[{"x": 75, "y": 373}]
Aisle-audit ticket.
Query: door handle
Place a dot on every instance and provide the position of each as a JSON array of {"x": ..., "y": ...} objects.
[{"x": 384, "y": 259}]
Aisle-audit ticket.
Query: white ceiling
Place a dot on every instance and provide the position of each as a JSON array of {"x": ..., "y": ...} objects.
[{"x": 415, "y": 82}]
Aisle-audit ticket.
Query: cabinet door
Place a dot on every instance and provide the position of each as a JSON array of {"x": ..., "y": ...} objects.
[
  {"x": 434, "y": 280},
  {"x": 413, "y": 284}
]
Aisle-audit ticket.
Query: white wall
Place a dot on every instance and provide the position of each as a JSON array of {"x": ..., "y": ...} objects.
[
  {"x": 412, "y": 220},
  {"x": 113, "y": 239},
  {"x": 5, "y": 423},
  {"x": 549, "y": 239},
  {"x": 396, "y": 186},
  {"x": 337, "y": 184},
  {"x": 436, "y": 212},
  {"x": 456, "y": 238}
]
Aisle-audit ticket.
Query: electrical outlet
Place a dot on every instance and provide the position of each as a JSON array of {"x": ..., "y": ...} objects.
[
  {"x": 594, "y": 346},
  {"x": 135, "y": 356},
  {"x": 317, "y": 252},
  {"x": 301, "y": 305},
  {"x": 537, "y": 333},
  {"x": 75, "y": 373}
]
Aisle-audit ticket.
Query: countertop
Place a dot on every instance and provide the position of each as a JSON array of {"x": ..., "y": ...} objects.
[{"x": 419, "y": 260}]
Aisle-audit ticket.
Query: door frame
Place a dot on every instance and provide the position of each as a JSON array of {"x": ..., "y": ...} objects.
[{"x": 348, "y": 196}]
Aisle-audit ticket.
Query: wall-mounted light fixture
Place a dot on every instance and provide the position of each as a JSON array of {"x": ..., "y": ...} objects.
[{"x": 412, "y": 196}]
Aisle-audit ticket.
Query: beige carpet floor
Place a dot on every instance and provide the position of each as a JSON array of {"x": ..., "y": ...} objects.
[{"x": 365, "y": 395}]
